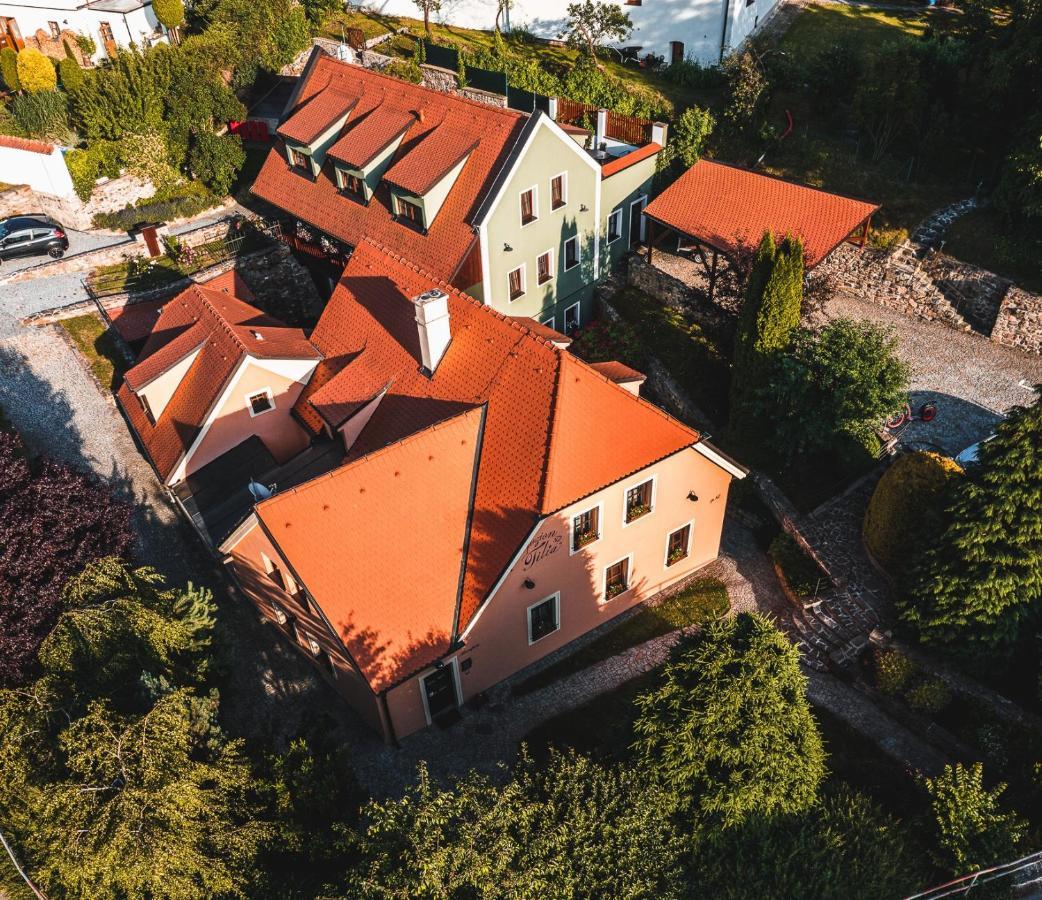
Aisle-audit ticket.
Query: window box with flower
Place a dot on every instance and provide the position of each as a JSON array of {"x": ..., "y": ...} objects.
[
  {"x": 636, "y": 510},
  {"x": 582, "y": 538},
  {"x": 675, "y": 555},
  {"x": 614, "y": 589}
]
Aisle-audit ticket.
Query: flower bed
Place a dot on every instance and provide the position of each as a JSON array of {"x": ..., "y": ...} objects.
[{"x": 800, "y": 576}]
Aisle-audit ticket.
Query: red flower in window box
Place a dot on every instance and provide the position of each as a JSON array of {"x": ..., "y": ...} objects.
[
  {"x": 582, "y": 538},
  {"x": 614, "y": 589},
  {"x": 675, "y": 555},
  {"x": 636, "y": 511}
]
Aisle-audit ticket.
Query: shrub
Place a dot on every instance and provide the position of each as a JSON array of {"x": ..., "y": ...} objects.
[
  {"x": 43, "y": 115},
  {"x": 604, "y": 341},
  {"x": 688, "y": 139},
  {"x": 906, "y": 509},
  {"x": 216, "y": 160},
  {"x": 9, "y": 69},
  {"x": 690, "y": 73},
  {"x": 803, "y": 575},
  {"x": 54, "y": 519},
  {"x": 929, "y": 696},
  {"x": 887, "y": 238},
  {"x": 86, "y": 44},
  {"x": 746, "y": 85},
  {"x": 405, "y": 69},
  {"x": 35, "y": 71},
  {"x": 182, "y": 201},
  {"x": 170, "y": 13},
  {"x": 70, "y": 74},
  {"x": 893, "y": 671},
  {"x": 102, "y": 158}
]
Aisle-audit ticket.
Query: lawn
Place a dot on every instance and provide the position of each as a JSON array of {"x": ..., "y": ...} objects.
[
  {"x": 98, "y": 347},
  {"x": 984, "y": 237},
  {"x": 471, "y": 40},
  {"x": 818, "y": 27},
  {"x": 127, "y": 275},
  {"x": 700, "y": 602},
  {"x": 683, "y": 348}
]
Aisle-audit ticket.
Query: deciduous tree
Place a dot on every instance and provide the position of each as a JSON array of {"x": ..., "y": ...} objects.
[
  {"x": 728, "y": 730},
  {"x": 591, "y": 23},
  {"x": 427, "y": 7}
]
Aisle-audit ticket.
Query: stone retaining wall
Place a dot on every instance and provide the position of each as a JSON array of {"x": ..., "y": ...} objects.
[
  {"x": 72, "y": 212},
  {"x": 1019, "y": 321}
]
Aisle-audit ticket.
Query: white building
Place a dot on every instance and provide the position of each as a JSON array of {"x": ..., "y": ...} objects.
[
  {"x": 702, "y": 30},
  {"x": 48, "y": 24}
]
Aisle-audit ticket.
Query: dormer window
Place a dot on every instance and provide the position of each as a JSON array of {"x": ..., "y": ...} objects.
[
  {"x": 351, "y": 184},
  {"x": 299, "y": 160},
  {"x": 411, "y": 212}
]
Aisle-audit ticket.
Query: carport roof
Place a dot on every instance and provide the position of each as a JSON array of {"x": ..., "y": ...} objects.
[{"x": 726, "y": 207}]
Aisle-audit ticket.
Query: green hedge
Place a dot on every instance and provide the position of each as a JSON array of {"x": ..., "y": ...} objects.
[
  {"x": 181, "y": 202},
  {"x": 804, "y": 575}
]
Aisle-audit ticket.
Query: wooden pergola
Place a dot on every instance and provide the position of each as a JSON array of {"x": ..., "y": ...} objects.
[{"x": 719, "y": 209}]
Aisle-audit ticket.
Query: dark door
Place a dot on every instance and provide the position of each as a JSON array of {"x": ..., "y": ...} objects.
[
  {"x": 18, "y": 244},
  {"x": 440, "y": 688},
  {"x": 151, "y": 240},
  {"x": 636, "y": 210},
  {"x": 676, "y": 52}
]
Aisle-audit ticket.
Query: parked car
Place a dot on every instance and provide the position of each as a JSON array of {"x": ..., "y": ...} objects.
[{"x": 31, "y": 236}]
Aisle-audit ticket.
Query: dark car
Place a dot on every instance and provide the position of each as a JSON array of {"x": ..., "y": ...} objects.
[{"x": 31, "y": 236}]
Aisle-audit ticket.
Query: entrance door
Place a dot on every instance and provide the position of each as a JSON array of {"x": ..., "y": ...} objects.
[
  {"x": 637, "y": 221},
  {"x": 440, "y": 690}
]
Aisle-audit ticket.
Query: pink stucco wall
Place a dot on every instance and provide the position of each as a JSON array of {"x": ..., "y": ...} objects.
[
  {"x": 497, "y": 645},
  {"x": 280, "y": 432}
]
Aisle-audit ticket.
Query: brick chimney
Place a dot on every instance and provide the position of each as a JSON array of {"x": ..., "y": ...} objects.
[{"x": 432, "y": 322}]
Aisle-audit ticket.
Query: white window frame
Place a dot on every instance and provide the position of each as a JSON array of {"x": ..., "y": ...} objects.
[
  {"x": 564, "y": 193},
  {"x": 607, "y": 231},
  {"x": 341, "y": 181},
  {"x": 690, "y": 526},
  {"x": 564, "y": 254},
  {"x": 571, "y": 528},
  {"x": 654, "y": 496},
  {"x": 421, "y": 683},
  {"x": 553, "y": 271},
  {"x": 550, "y": 322},
  {"x": 280, "y": 614},
  {"x": 401, "y": 202},
  {"x": 535, "y": 205},
  {"x": 578, "y": 317},
  {"x": 556, "y": 598},
  {"x": 314, "y": 646},
  {"x": 524, "y": 282},
  {"x": 271, "y": 399},
  {"x": 628, "y": 558},
  {"x": 642, "y": 199}
]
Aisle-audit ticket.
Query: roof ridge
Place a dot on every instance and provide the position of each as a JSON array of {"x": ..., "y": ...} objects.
[
  {"x": 551, "y": 431},
  {"x": 783, "y": 180},
  {"x": 354, "y": 463},
  {"x": 224, "y": 323}
]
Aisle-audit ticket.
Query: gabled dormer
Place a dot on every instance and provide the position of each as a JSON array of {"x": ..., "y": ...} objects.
[
  {"x": 314, "y": 127},
  {"x": 421, "y": 179},
  {"x": 363, "y": 153}
]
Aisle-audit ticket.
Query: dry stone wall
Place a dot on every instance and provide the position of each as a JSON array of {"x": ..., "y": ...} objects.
[{"x": 72, "y": 212}]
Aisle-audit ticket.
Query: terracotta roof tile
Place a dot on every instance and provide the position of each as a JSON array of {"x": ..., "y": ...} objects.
[
  {"x": 385, "y": 101},
  {"x": 370, "y": 133},
  {"x": 224, "y": 329},
  {"x": 618, "y": 372},
  {"x": 728, "y": 207},
  {"x": 17, "y": 143},
  {"x": 431, "y": 160},
  {"x": 542, "y": 331},
  {"x": 390, "y": 589},
  {"x": 544, "y": 406},
  {"x": 621, "y": 163},
  {"x": 316, "y": 116}
]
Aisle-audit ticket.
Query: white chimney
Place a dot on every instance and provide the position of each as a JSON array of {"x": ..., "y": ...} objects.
[
  {"x": 551, "y": 107},
  {"x": 432, "y": 321},
  {"x": 600, "y": 129},
  {"x": 659, "y": 130}
]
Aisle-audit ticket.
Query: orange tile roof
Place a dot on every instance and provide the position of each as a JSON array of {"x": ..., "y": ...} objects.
[
  {"x": 384, "y": 104},
  {"x": 391, "y": 587},
  {"x": 618, "y": 372},
  {"x": 621, "y": 163},
  {"x": 432, "y": 159},
  {"x": 17, "y": 143},
  {"x": 317, "y": 115},
  {"x": 728, "y": 207},
  {"x": 224, "y": 328},
  {"x": 542, "y": 331},
  {"x": 544, "y": 407}
]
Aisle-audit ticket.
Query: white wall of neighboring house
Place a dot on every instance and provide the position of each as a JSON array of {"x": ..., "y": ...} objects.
[
  {"x": 703, "y": 27},
  {"x": 131, "y": 21},
  {"x": 43, "y": 172}
]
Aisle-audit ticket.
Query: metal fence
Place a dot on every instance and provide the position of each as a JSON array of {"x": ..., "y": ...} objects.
[{"x": 481, "y": 79}]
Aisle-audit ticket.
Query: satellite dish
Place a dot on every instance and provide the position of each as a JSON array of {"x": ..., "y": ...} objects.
[{"x": 259, "y": 491}]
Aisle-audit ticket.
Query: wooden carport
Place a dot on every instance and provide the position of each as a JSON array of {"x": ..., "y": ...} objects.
[{"x": 721, "y": 209}]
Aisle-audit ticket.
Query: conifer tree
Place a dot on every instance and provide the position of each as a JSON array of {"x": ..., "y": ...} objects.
[
  {"x": 9, "y": 69},
  {"x": 729, "y": 731},
  {"x": 769, "y": 317},
  {"x": 35, "y": 71},
  {"x": 984, "y": 577}
]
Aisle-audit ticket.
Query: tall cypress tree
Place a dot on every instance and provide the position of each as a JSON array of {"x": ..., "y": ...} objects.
[
  {"x": 984, "y": 576},
  {"x": 769, "y": 317}
]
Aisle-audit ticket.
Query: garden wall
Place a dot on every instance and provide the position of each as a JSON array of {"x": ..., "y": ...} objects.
[
  {"x": 72, "y": 212},
  {"x": 37, "y": 164}
]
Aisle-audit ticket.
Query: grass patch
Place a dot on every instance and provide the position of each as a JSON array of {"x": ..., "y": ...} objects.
[
  {"x": 817, "y": 28},
  {"x": 602, "y": 728},
  {"x": 800, "y": 571},
  {"x": 470, "y": 40},
  {"x": 122, "y": 276},
  {"x": 691, "y": 357},
  {"x": 98, "y": 346},
  {"x": 702, "y": 601},
  {"x": 987, "y": 238}
]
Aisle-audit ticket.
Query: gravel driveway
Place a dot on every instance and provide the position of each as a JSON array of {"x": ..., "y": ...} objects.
[{"x": 973, "y": 381}]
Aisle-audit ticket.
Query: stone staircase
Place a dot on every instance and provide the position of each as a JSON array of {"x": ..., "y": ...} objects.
[
  {"x": 930, "y": 233},
  {"x": 832, "y": 630}
]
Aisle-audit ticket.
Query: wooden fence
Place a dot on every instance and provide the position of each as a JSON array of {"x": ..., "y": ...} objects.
[{"x": 628, "y": 129}]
